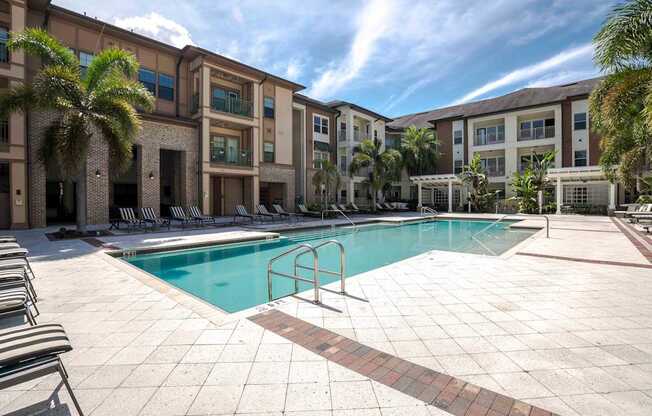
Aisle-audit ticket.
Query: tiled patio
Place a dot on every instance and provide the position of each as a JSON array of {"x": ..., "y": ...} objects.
[{"x": 568, "y": 336}]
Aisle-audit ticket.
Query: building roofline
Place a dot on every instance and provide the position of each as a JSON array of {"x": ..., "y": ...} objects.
[
  {"x": 335, "y": 104},
  {"x": 313, "y": 102}
]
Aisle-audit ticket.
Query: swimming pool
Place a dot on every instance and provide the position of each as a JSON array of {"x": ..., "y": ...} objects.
[{"x": 234, "y": 277}]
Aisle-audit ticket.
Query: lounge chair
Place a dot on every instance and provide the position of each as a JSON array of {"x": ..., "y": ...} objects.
[
  {"x": 262, "y": 211},
  {"x": 643, "y": 212},
  {"x": 241, "y": 212},
  {"x": 8, "y": 245},
  {"x": 197, "y": 215},
  {"x": 7, "y": 239},
  {"x": 389, "y": 206},
  {"x": 305, "y": 211},
  {"x": 381, "y": 208},
  {"x": 15, "y": 300},
  {"x": 17, "y": 263},
  {"x": 630, "y": 209},
  {"x": 127, "y": 216},
  {"x": 149, "y": 217},
  {"x": 357, "y": 210},
  {"x": 31, "y": 353},
  {"x": 283, "y": 213},
  {"x": 178, "y": 214},
  {"x": 18, "y": 278}
]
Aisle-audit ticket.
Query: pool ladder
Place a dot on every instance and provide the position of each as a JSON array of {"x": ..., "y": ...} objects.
[
  {"x": 427, "y": 210},
  {"x": 301, "y": 250}
]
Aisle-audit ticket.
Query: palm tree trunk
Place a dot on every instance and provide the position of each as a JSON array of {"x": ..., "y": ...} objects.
[{"x": 81, "y": 199}]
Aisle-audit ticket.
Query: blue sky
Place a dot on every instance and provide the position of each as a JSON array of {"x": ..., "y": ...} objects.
[{"x": 393, "y": 56}]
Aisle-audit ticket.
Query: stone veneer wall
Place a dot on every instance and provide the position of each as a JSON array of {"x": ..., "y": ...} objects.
[
  {"x": 153, "y": 137},
  {"x": 280, "y": 174}
]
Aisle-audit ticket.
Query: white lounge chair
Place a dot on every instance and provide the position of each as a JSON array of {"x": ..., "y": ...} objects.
[
  {"x": 178, "y": 214},
  {"x": 262, "y": 211},
  {"x": 241, "y": 212},
  {"x": 149, "y": 216},
  {"x": 127, "y": 216}
]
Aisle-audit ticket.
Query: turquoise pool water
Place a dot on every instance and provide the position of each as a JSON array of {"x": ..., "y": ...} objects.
[{"x": 234, "y": 277}]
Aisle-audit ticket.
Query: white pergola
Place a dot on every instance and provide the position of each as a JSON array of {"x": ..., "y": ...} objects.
[
  {"x": 580, "y": 175},
  {"x": 436, "y": 181}
]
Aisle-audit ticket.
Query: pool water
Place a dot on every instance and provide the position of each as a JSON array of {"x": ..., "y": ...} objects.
[{"x": 234, "y": 277}]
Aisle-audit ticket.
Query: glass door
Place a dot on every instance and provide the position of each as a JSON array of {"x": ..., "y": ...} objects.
[{"x": 232, "y": 150}]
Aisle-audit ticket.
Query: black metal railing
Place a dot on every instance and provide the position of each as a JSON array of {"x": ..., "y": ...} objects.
[
  {"x": 227, "y": 156},
  {"x": 232, "y": 105}
]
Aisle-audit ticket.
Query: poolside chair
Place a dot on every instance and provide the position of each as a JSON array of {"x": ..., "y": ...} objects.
[
  {"x": 127, "y": 216},
  {"x": 178, "y": 214},
  {"x": 9, "y": 245},
  {"x": 16, "y": 300},
  {"x": 17, "y": 263},
  {"x": 644, "y": 212},
  {"x": 241, "y": 212},
  {"x": 262, "y": 211},
  {"x": 305, "y": 211},
  {"x": 630, "y": 208},
  {"x": 197, "y": 215},
  {"x": 149, "y": 217},
  {"x": 31, "y": 353},
  {"x": 283, "y": 213},
  {"x": 7, "y": 239},
  {"x": 390, "y": 207},
  {"x": 357, "y": 210},
  {"x": 381, "y": 208},
  {"x": 18, "y": 278}
]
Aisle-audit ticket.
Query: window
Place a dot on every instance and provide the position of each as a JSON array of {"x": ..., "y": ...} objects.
[
  {"x": 268, "y": 152},
  {"x": 320, "y": 124},
  {"x": 458, "y": 137},
  {"x": 4, "y": 131},
  {"x": 268, "y": 105},
  {"x": 148, "y": 79},
  {"x": 579, "y": 121},
  {"x": 375, "y": 134},
  {"x": 458, "y": 166},
  {"x": 165, "y": 87},
  {"x": 318, "y": 157},
  {"x": 85, "y": 60},
  {"x": 4, "y": 52},
  {"x": 343, "y": 163},
  {"x": 494, "y": 166},
  {"x": 580, "y": 158}
]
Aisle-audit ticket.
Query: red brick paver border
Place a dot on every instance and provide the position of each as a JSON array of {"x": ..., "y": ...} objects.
[
  {"x": 611, "y": 263},
  {"x": 451, "y": 394},
  {"x": 631, "y": 233}
]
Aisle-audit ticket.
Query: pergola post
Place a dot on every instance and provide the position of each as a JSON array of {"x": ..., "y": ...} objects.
[
  {"x": 559, "y": 192},
  {"x": 612, "y": 196},
  {"x": 450, "y": 195},
  {"x": 419, "y": 197}
]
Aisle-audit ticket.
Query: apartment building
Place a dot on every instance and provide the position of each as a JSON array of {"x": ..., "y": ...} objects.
[
  {"x": 315, "y": 140},
  {"x": 354, "y": 124},
  {"x": 508, "y": 132},
  {"x": 222, "y": 132},
  {"x": 13, "y": 139}
]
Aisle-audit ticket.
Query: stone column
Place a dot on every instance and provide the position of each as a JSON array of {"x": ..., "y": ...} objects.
[
  {"x": 560, "y": 195},
  {"x": 350, "y": 191},
  {"x": 450, "y": 195},
  {"x": 419, "y": 195},
  {"x": 612, "y": 196}
]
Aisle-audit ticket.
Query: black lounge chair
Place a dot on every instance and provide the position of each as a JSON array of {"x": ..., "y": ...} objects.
[
  {"x": 263, "y": 212},
  {"x": 357, "y": 210},
  {"x": 15, "y": 300},
  {"x": 305, "y": 211},
  {"x": 197, "y": 215},
  {"x": 31, "y": 353},
  {"x": 149, "y": 217},
  {"x": 17, "y": 278},
  {"x": 178, "y": 214},
  {"x": 283, "y": 213},
  {"x": 7, "y": 239},
  {"x": 127, "y": 216},
  {"x": 241, "y": 212}
]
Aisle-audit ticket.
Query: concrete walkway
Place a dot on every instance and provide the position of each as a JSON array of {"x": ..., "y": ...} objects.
[{"x": 572, "y": 337}]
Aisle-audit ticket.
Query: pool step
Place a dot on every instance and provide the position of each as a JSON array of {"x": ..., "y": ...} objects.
[{"x": 320, "y": 235}]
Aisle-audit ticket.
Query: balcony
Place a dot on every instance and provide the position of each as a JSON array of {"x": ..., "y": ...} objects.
[
  {"x": 357, "y": 136},
  {"x": 495, "y": 172},
  {"x": 536, "y": 133},
  {"x": 233, "y": 105},
  {"x": 227, "y": 156},
  {"x": 492, "y": 136}
]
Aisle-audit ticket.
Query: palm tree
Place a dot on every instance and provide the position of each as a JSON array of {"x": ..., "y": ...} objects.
[
  {"x": 525, "y": 191},
  {"x": 474, "y": 176},
  {"x": 539, "y": 168},
  {"x": 621, "y": 105},
  {"x": 103, "y": 102},
  {"x": 328, "y": 179},
  {"x": 381, "y": 166},
  {"x": 419, "y": 150}
]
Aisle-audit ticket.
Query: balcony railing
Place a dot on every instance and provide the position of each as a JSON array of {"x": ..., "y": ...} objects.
[
  {"x": 235, "y": 106},
  {"x": 357, "y": 136},
  {"x": 536, "y": 133},
  {"x": 492, "y": 173},
  {"x": 4, "y": 132},
  {"x": 227, "y": 156},
  {"x": 341, "y": 135},
  {"x": 487, "y": 139}
]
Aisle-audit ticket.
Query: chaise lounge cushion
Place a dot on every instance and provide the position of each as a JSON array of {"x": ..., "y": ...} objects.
[
  {"x": 12, "y": 299},
  {"x": 21, "y": 345}
]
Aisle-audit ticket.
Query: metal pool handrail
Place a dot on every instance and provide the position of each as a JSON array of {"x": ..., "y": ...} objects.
[
  {"x": 475, "y": 236},
  {"x": 343, "y": 214},
  {"x": 539, "y": 215},
  {"x": 341, "y": 273},
  {"x": 425, "y": 209},
  {"x": 315, "y": 271}
]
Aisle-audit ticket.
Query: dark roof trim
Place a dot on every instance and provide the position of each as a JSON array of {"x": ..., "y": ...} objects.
[
  {"x": 96, "y": 23},
  {"x": 164, "y": 118},
  {"x": 491, "y": 113},
  {"x": 304, "y": 99},
  {"x": 335, "y": 104}
]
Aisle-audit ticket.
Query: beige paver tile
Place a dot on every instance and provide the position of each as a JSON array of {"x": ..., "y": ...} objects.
[
  {"x": 308, "y": 396},
  {"x": 262, "y": 398},
  {"x": 521, "y": 385},
  {"x": 216, "y": 400},
  {"x": 203, "y": 354},
  {"x": 348, "y": 394},
  {"x": 148, "y": 375},
  {"x": 309, "y": 372},
  {"x": 188, "y": 375},
  {"x": 170, "y": 401},
  {"x": 592, "y": 405},
  {"x": 272, "y": 372},
  {"x": 228, "y": 374},
  {"x": 110, "y": 376},
  {"x": 124, "y": 402}
]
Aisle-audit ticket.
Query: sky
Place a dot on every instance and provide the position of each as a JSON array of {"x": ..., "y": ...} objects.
[{"x": 395, "y": 57}]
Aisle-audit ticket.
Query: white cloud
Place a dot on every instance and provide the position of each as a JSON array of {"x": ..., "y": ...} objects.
[
  {"x": 294, "y": 70},
  {"x": 531, "y": 71},
  {"x": 372, "y": 22},
  {"x": 158, "y": 27}
]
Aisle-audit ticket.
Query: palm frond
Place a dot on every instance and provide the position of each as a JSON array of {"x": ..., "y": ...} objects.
[
  {"x": 119, "y": 114},
  {"x": 36, "y": 41},
  {"x": 624, "y": 41},
  {"x": 59, "y": 87},
  {"x": 65, "y": 141},
  {"x": 18, "y": 99},
  {"x": 120, "y": 145},
  {"x": 110, "y": 61},
  {"x": 118, "y": 88}
]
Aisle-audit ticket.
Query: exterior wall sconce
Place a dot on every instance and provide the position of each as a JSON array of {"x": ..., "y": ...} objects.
[
  {"x": 98, "y": 174},
  {"x": 151, "y": 175}
]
